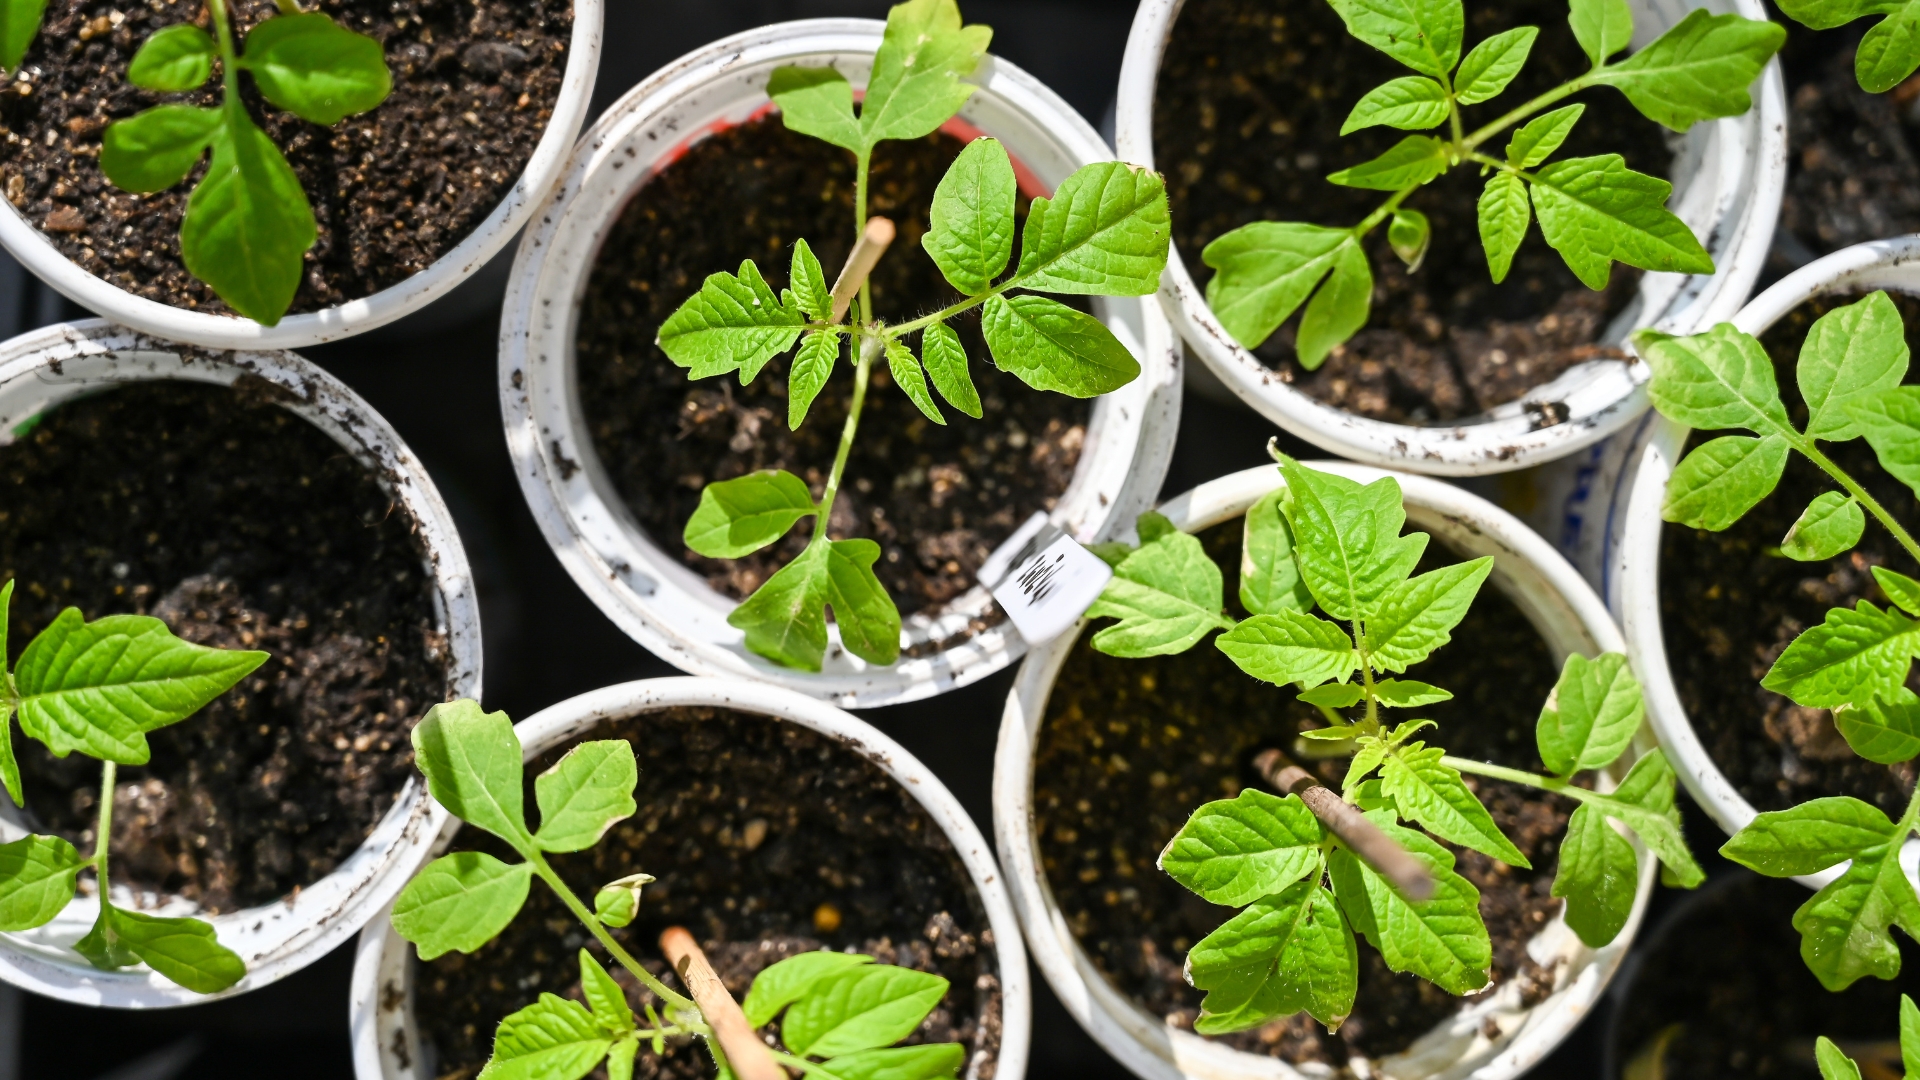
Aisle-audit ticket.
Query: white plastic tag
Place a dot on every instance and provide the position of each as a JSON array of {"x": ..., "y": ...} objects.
[{"x": 1047, "y": 582}]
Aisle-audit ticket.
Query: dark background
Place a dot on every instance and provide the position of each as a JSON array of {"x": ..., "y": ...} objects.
[{"x": 433, "y": 377}]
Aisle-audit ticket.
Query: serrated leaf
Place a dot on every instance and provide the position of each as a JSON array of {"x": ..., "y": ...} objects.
[
  {"x": 1290, "y": 647},
  {"x": 552, "y": 1039},
  {"x": 183, "y": 950},
  {"x": 1286, "y": 953},
  {"x": 734, "y": 323},
  {"x": 1602, "y": 27},
  {"x": 1828, "y": 14},
  {"x": 927, "y": 1061},
  {"x": 785, "y": 618},
  {"x": 946, "y": 363},
  {"x": 869, "y": 622},
  {"x": 1432, "y": 793},
  {"x": 1595, "y": 210},
  {"x": 1408, "y": 694},
  {"x": 1167, "y": 595},
  {"x": 604, "y": 997},
  {"x": 1833, "y": 1064},
  {"x": 1844, "y": 928},
  {"x": 1890, "y": 422},
  {"x": 740, "y": 516},
  {"x": 1504, "y": 214},
  {"x": 1409, "y": 234},
  {"x": 1104, "y": 233},
  {"x": 156, "y": 149},
  {"x": 1347, "y": 538},
  {"x": 1050, "y": 346},
  {"x": 1720, "y": 379},
  {"x": 1492, "y": 64},
  {"x": 1591, "y": 716},
  {"x": 1371, "y": 753},
  {"x": 971, "y": 237},
  {"x": 1269, "y": 579},
  {"x": 1263, "y": 272},
  {"x": 98, "y": 687},
  {"x": 1720, "y": 480},
  {"x": 460, "y": 902},
  {"x": 1410, "y": 103},
  {"x": 1598, "y": 877},
  {"x": 863, "y": 1008},
  {"x": 37, "y": 875},
  {"x": 19, "y": 25},
  {"x": 1810, "y": 837},
  {"x": 1234, "y": 851},
  {"x": 809, "y": 284},
  {"x": 315, "y": 68},
  {"x": 1416, "y": 159},
  {"x": 1542, "y": 135},
  {"x": 1339, "y": 308},
  {"x": 1644, "y": 802},
  {"x": 780, "y": 985},
  {"x": 912, "y": 381},
  {"x": 1700, "y": 69},
  {"x": 1441, "y": 939},
  {"x": 1882, "y": 730},
  {"x": 817, "y": 101},
  {"x": 584, "y": 794},
  {"x": 1831, "y": 523},
  {"x": 916, "y": 85},
  {"x": 1851, "y": 353},
  {"x": 473, "y": 764},
  {"x": 1416, "y": 617},
  {"x": 1424, "y": 35},
  {"x": 248, "y": 224},
  {"x": 1852, "y": 655},
  {"x": 174, "y": 59},
  {"x": 1890, "y": 51},
  {"x": 812, "y": 366}
]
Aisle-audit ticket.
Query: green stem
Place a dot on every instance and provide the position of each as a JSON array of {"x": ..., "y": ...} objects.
[
  {"x": 288, "y": 7},
  {"x": 1806, "y": 446},
  {"x": 1385, "y": 211},
  {"x": 951, "y": 310},
  {"x": 109, "y": 773},
  {"x": 811, "y": 1068},
  {"x": 1564, "y": 90},
  {"x": 861, "y": 163},
  {"x": 1520, "y": 776},
  {"x": 592, "y": 923},
  {"x": 229, "y": 56},
  {"x": 870, "y": 347}
]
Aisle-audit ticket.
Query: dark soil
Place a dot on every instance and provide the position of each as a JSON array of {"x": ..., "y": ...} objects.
[
  {"x": 1726, "y": 967},
  {"x": 768, "y": 840},
  {"x": 937, "y": 499},
  {"x": 1729, "y": 607},
  {"x": 242, "y": 526},
  {"x": 474, "y": 84},
  {"x": 1247, "y": 116},
  {"x": 1132, "y": 747}
]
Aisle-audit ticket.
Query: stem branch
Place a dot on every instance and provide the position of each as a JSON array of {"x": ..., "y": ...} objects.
[
  {"x": 1806, "y": 446},
  {"x": 592, "y": 922}
]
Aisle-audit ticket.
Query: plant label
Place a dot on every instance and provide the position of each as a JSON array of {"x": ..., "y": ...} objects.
[{"x": 1048, "y": 581}]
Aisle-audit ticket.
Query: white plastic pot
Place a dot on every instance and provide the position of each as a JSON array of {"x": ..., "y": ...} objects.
[
  {"x": 1567, "y": 615},
  {"x": 35, "y": 252},
  {"x": 40, "y": 370},
  {"x": 1728, "y": 176},
  {"x": 636, "y": 579},
  {"x": 1609, "y": 506},
  {"x": 386, "y": 1043}
]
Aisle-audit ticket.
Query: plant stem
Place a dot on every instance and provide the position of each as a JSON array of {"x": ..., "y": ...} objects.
[
  {"x": 1564, "y": 90},
  {"x": 229, "y": 57},
  {"x": 861, "y": 163},
  {"x": 1520, "y": 776},
  {"x": 870, "y": 347},
  {"x": 109, "y": 773},
  {"x": 592, "y": 922},
  {"x": 1806, "y": 446},
  {"x": 1385, "y": 210}
]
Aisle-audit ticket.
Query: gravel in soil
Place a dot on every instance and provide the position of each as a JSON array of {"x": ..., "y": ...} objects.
[
  {"x": 1730, "y": 605},
  {"x": 937, "y": 499},
  {"x": 241, "y": 526},
  {"x": 474, "y": 84},
  {"x": 769, "y": 840},
  {"x": 1131, "y": 748},
  {"x": 1247, "y": 114}
]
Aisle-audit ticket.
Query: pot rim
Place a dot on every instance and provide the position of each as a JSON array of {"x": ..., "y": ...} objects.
[
  {"x": 386, "y": 1044},
  {"x": 59, "y": 362},
  {"x": 1745, "y": 159},
  {"x": 38, "y": 254},
  {"x": 1561, "y": 606}
]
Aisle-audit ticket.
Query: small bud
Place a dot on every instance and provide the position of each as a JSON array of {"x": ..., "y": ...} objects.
[{"x": 618, "y": 902}]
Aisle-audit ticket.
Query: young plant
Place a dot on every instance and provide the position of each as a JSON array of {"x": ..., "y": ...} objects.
[
  {"x": 1592, "y": 210},
  {"x": 1836, "y": 1065},
  {"x": 1304, "y": 880},
  {"x": 1104, "y": 233},
  {"x": 99, "y": 687},
  {"x": 248, "y": 224},
  {"x": 843, "y": 1013},
  {"x": 1888, "y": 53},
  {"x": 1856, "y": 662}
]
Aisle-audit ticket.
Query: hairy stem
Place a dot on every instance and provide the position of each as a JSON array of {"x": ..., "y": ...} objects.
[
  {"x": 1806, "y": 446},
  {"x": 229, "y": 56},
  {"x": 870, "y": 347},
  {"x": 1558, "y": 93},
  {"x": 592, "y": 922},
  {"x": 109, "y": 773},
  {"x": 863, "y": 160},
  {"x": 1385, "y": 211},
  {"x": 1520, "y": 776}
]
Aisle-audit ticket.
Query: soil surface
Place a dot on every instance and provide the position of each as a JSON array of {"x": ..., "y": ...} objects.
[
  {"x": 768, "y": 840},
  {"x": 1726, "y": 967},
  {"x": 241, "y": 526},
  {"x": 1132, "y": 747},
  {"x": 1730, "y": 606},
  {"x": 474, "y": 84},
  {"x": 937, "y": 499},
  {"x": 1247, "y": 116}
]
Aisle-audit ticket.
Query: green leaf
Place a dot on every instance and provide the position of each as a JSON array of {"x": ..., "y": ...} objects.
[
  {"x": 1418, "y": 616},
  {"x": 1901, "y": 589},
  {"x": 1234, "y": 851},
  {"x": 620, "y": 1058},
  {"x": 1290, "y": 647},
  {"x": 1287, "y": 953},
  {"x": 1644, "y": 801},
  {"x": 98, "y": 687},
  {"x": 1335, "y": 695},
  {"x": 1700, "y": 69},
  {"x": 1153, "y": 525},
  {"x": 604, "y": 996},
  {"x": 1594, "y": 210},
  {"x": 1371, "y": 753},
  {"x": 946, "y": 362},
  {"x": 1834, "y": 1065},
  {"x": 156, "y": 149},
  {"x": 173, "y": 59},
  {"x": 1422, "y": 34},
  {"x": 1504, "y": 215},
  {"x": 1831, "y": 523},
  {"x": 1264, "y": 272},
  {"x": 971, "y": 237},
  {"x": 1432, "y": 793},
  {"x": 1886, "y": 731},
  {"x": 1890, "y": 52},
  {"x": 1415, "y": 159},
  {"x": 780, "y": 985},
  {"x": 1809, "y": 838},
  {"x": 740, "y": 516},
  {"x": 1493, "y": 63},
  {"x": 1910, "y": 1036},
  {"x": 1167, "y": 595},
  {"x": 1598, "y": 877},
  {"x": 812, "y": 365},
  {"x": 1408, "y": 694},
  {"x": 315, "y": 68},
  {"x": 1104, "y": 233},
  {"x": 618, "y": 901},
  {"x": 9, "y": 764},
  {"x": 1347, "y": 538},
  {"x": 472, "y": 762},
  {"x": 1542, "y": 135},
  {"x": 248, "y": 224},
  {"x": 19, "y": 25},
  {"x": 916, "y": 84},
  {"x": 734, "y": 323},
  {"x": 860, "y": 1009},
  {"x": 1591, "y": 716},
  {"x": 36, "y": 880},
  {"x": 1828, "y": 14},
  {"x": 1851, "y": 353},
  {"x": 817, "y": 101},
  {"x": 869, "y": 623},
  {"x": 785, "y": 618},
  {"x": 1720, "y": 480},
  {"x": 183, "y": 950},
  {"x": 809, "y": 284},
  {"x": 927, "y": 1061},
  {"x": 1890, "y": 420},
  {"x": 1602, "y": 27},
  {"x": 1050, "y": 346},
  {"x": 1410, "y": 103},
  {"x": 1850, "y": 657},
  {"x": 1441, "y": 939},
  {"x": 1269, "y": 579},
  {"x": 1844, "y": 928},
  {"x": 584, "y": 793},
  {"x": 905, "y": 369},
  {"x": 1409, "y": 234},
  {"x": 460, "y": 902},
  {"x": 1339, "y": 308},
  {"x": 552, "y": 1039},
  {"x": 1720, "y": 379}
]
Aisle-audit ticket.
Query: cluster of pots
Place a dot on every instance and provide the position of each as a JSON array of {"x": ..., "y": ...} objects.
[{"x": 1607, "y": 460}]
